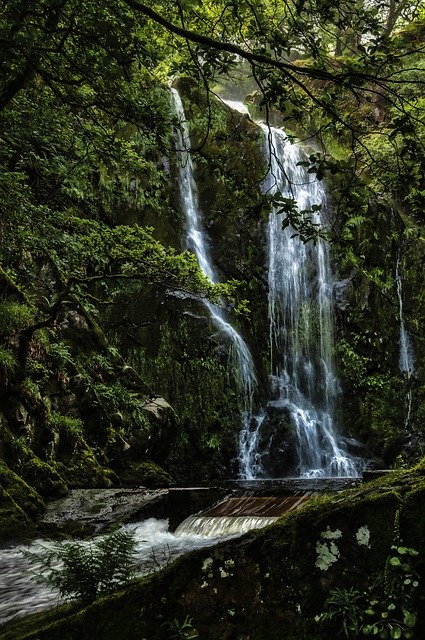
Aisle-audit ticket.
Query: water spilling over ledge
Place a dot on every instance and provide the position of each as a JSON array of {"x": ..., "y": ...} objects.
[{"x": 304, "y": 384}]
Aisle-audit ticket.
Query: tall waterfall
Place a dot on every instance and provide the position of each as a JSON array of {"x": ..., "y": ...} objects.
[
  {"x": 304, "y": 382},
  {"x": 406, "y": 353},
  {"x": 406, "y": 358},
  {"x": 240, "y": 353}
]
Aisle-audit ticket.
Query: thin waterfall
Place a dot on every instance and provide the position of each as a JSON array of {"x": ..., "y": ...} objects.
[
  {"x": 239, "y": 351},
  {"x": 406, "y": 357},
  {"x": 301, "y": 318},
  {"x": 406, "y": 353}
]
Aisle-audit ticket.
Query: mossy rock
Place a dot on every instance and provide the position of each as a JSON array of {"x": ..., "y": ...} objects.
[
  {"x": 14, "y": 522},
  {"x": 20, "y": 504},
  {"x": 85, "y": 472},
  {"x": 20, "y": 491},
  {"x": 145, "y": 474},
  {"x": 269, "y": 584},
  {"x": 44, "y": 478}
]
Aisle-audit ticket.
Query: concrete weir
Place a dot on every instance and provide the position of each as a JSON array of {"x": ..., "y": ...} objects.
[{"x": 252, "y": 505}]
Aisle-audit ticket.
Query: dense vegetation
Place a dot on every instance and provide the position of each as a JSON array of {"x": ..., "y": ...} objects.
[
  {"x": 111, "y": 372},
  {"x": 106, "y": 376}
]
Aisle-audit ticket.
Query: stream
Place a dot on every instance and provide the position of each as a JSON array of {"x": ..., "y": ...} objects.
[{"x": 20, "y": 594}]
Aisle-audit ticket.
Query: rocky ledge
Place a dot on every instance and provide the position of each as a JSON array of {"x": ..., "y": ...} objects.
[{"x": 90, "y": 511}]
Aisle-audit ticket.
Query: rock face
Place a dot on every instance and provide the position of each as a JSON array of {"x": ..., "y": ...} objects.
[
  {"x": 267, "y": 585},
  {"x": 90, "y": 511}
]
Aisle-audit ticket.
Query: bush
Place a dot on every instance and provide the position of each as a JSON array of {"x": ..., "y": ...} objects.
[
  {"x": 84, "y": 571},
  {"x": 14, "y": 316}
]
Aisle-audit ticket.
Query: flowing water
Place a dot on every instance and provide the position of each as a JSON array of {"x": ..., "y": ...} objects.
[
  {"x": 242, "y": 359},
  {"x": 303, "y": 377},
  {"x": 212, "y": 526},
  {"x": 156, "y": 546},
  {"x": 406, "y": 358},
  {"x": 304, "y": 385},
  {"x": 406, "y": 353}
]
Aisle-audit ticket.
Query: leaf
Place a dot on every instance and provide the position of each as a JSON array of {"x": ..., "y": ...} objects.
[
  {"x": 409, "y": 619},
  {"x": 395, "y": 562}
]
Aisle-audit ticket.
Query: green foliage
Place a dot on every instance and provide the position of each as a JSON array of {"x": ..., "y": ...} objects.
[
  {"x": 87, "y": 570},
  {"x": 113, "y": 397},
  {"x": 66, "y": 424},
  {"x": 354, "y": 366},
  {"x": 8, "y": 363},
  {"x": 342, "y": 609},
  {"x": 386, "y": 609},
  {"x": 13, "y": 317},
  {"x": 182, "y": 630}
]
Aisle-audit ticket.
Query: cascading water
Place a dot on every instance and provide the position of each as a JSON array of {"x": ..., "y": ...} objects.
[
  {"x": 406, "y": 358},
  {"x": 301, "y": 319},
  {"x": 406, "y": 353},
  {"x": 240, "y": 353},
  {"x": 156, "y": 546}
]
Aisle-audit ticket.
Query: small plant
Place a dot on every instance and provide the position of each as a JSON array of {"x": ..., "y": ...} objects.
[
  {"x": 8, "y": 364},
  {"x": 157, "y": 559},
  {"x": 386, "y": 609},
  {"x": 14, "y": 316},
  {"x": 342, "y": 607},
  {"x": 84, "y": 571},
  {"x": 66, "y": 424},
  {"x": 183, "y": 630}
]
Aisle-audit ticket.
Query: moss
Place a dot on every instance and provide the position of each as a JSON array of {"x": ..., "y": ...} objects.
[
  {"x": 85, "y": 471},
  {"x": 147, "y": 474},
  {"x": 14, "y": 522},
  {"x": 14, "y": 316},
  {"x": 23, "y": 494},
  {"x": 20, "y": 504},
  {"x": 44, "y": 478}
]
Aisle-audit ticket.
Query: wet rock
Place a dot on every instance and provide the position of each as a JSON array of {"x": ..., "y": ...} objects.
[
  {"x": 90, "y": 511},
  {"x": 277, "y": 442}
]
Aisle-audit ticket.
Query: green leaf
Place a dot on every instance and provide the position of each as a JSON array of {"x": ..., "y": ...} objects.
[
  {"x": 396, "y": 633},
  {"x": 395, "y": 562},
  {"x": 409, "y": 619}
]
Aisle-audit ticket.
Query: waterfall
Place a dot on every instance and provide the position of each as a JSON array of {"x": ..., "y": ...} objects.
[
  {"x": 239, "y": 351},
  {"x": 301, "y": 318},
  {"x": 406, "y": 358},
  {"x": 406, "y": 353}
]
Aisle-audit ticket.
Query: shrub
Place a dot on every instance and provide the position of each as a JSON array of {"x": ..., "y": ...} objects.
[
  {"x": 14, "y": 316},
  {"x": 84, "y": 571},
  {"x": 66, "y": 424}
]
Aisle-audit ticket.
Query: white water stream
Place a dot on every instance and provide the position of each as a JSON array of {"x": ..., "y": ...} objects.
[{"x": 156, "y": 546}]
